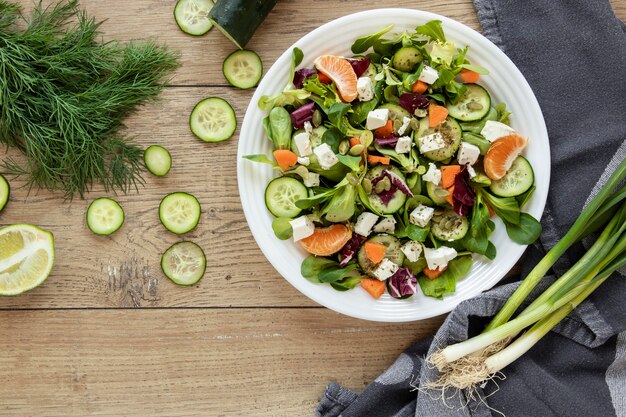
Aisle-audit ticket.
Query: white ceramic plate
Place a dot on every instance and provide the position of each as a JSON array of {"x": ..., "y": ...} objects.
[{"x": 505, "y": 83}]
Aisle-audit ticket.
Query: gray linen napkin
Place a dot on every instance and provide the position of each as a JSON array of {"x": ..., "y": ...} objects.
[{"x": 573, "y": 54}]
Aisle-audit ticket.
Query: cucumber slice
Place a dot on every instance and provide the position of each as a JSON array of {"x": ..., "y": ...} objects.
[
  {"x": 5, "y": 191},
  {"x": 158, "y": 160},
  {"x": 213, "y": 120},
  {"x": 243, "y": 69},
  {"x": 518, "y": 179},
  {"x": 437, "y": 194},
  {"x": 451, "y": 132},
  {"x": 473, "y": 105},
  {"x": 406, "y": 58},
  {"x": 192, "y": 16},
  {"x": 179, "y": 212},
  {"x": 104, "y": 216},
  {"x": 396, "y": 112},
  {"x": 184, "y": 263},
  {"x": 448, "y": 226},
  {"x": 393, "y": 252},
  {"x": 397, "y": 200},
  {"x": 281, "y": 195},
  {"x": 477, "y": 125}
]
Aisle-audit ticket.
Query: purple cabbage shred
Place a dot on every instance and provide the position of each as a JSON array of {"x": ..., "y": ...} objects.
[
  {"x": 386, "y": 141},
  {"x": 359, "y": 65},
  {"x": 396, "y": 184},
  {"x": 402, "y": 283},
  {"x": 303, "y": 114},
  {"x": 464, "y": 195},
  {"x": 349, "y": 250},
  {"x": 413, "y": 101},
  {"x": 302, "y": 74}
]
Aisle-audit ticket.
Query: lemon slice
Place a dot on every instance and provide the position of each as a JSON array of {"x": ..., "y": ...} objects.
[{"x": 26, "y": 258}]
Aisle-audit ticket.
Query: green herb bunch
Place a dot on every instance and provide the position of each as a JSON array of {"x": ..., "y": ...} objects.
[{"x": 64, "y": 96}]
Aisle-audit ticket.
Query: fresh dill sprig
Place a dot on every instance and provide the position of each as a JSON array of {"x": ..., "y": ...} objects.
[{"x": 64, "y": 97}]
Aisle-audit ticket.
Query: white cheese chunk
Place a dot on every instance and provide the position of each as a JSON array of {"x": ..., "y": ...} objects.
[
  {"x": 431, "y": 142},
  {"x": 468, "y": 153},
  {"x": 365, "y": 88},
  {"x": 428, "y": 75},
  {"x": 386, "y": 225},
  {"x": 406, "y": 121},
  {"x": 377, "y": 118},
  {"x": 308, "y": 127},
  {"x": 364, "y": 223},
  {"x": 325, "y": 156},
  {"x": 495, "y": 130},
  {"x": 302, "y": 227},
  {"x": 439, "y": 258},
  {"x": 433, "y": 174},
  {"x": 421, "y": 215},
  {"x": 471, "y": 171},
  {"x": 303, "y": 143},
  {"x": 304, "y": 160},
  {"x": 312, "y": 180},
  {"x": 404, "y": 144},
  {"x": 412, "y": 250},
  {"x": 385, "y": 269}
]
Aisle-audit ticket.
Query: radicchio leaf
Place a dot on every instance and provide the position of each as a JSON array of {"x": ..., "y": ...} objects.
[
  {"x": 386, "y": 196},
  {"x": 359, "y": 65},
  {"x": 349, "y": 250},
  {"x": 402, "y": 284},
  {"x": 412, "y": 101},
  {"x": 303, "y": 114},
  {"x": 386, "y": 141},
  {"x": 398, "y": 182},
  {"x": 301, "y": 75},
  {"x": 464, "y": 195}
]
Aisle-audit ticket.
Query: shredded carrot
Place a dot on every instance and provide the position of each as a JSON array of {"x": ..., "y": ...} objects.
[
  {"x": 448, "y": 174},
  {"x": 375, "y": 159},
  {"x": 375, "y": 251},
  {"x": 386, "y": 131},
  {"x": 419, "y": 87},
  {"x": 373, "y": 286},
  {"x": 469, "y": 76},
  {"x": 324, "y": 79},
  {"x": 449, "y": 198},
  {"x": 285, "y": 158},
  {"x": 436, "y": 115},
  {"x": 491, "y": 211},
  {"x": 355, "y": 141},
  {"x": 433, "y": 273}
]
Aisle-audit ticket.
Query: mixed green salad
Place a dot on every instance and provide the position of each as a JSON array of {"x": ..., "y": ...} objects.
[{"x": 392, "y": 164}]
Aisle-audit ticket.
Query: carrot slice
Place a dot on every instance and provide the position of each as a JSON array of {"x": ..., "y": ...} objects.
[
  {"x": 449, "y": 198},
  {"x": 448, "y": 174},
  {"x": 469, "y": 76},
  {"x": 285, "y": 158},
  {"x": 373, "y": 286},
  {"x": 324, "y": 79},
  {"x": 375, "y": 251},
  {"x": 433, "y": 273},
  {"x": 375, "y": 159},
  {"x": 436, "y": 115},
  {"x": 386, "y": 131},
  {"x": 419, "y": 87},
  {"x": 354, "y": 141}
]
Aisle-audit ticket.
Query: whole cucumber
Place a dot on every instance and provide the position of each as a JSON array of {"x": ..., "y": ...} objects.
[{"x": 239, "y": 19}]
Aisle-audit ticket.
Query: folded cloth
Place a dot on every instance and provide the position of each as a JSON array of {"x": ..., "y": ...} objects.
[{"x": 573, "y": 54}]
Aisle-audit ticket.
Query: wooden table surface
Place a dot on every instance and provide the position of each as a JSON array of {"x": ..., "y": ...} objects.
[{"x": 107, "y": 334}]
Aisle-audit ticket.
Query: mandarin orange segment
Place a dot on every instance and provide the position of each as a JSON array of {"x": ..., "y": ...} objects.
[
  {"x": 341, "y": 72},
  {"x": 327, "y": 240},
  {"x": 501, "y": 155}
]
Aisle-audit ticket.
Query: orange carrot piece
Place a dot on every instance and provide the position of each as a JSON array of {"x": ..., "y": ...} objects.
[
  {"x": 375, "y": 251},
  {"x": 386, "y": 131},
  {"x": 491, "y": 211},
  {"x": 469, "y": 76},
  {"x": 433, "y": 273},
  {"x": 285, "y": 158},
  {"x": 419, "y": 87},
  {"x": 449, "y": 198},
  {"x": 375, "y": 159},
  {"x": 448, "y": 174},
  {"x": 436, "y": 115},
  {"x": 324, "y": 79},
  {"x": 373, "y": 286},
  {"x": 355, "y": 141}
]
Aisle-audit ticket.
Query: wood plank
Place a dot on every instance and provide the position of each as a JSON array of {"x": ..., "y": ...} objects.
[{"x": 261, "y": 362}]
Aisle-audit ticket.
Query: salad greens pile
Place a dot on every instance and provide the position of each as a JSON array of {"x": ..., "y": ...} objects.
[{"x": 399, "y": 186}]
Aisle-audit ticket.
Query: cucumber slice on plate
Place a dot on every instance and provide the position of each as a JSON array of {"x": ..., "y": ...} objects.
[
  {"x": 518, "y": 179},
  {"x": 192, "y": 16},
  {"x": 281, "y": 195},
  {"x": 104, "y": 216},
  {"x": 392, "y": 252},
  {"x": 451, "y": 132},
  {"x": 213, "y": 120},
  {"x": 397, "y": 199},
  {"x": 158, "y": 160},
  {"x": 449, "y": 226},
  {"x": 179, "y": 212},
  {"x": 5, "y": 191},
  {"x": 243, "y": 69},
  {"x": 406, "y": 58},
  {"x": 184, "y": 263},
  {"x": 474, "y": 104}
]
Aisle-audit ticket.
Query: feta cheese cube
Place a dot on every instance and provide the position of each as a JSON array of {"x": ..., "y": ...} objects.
[
  {"x": 303, "y": 143},
  {"x": 471, "y": 171},
  {"x": 495, "y": 130},
  {"x": 304, "y": 160},
  {"x": 412, "y": 250},
  {"x": 433, "y": 174},
  {"x": 404, "y": 144},
  {"x": 302, "y": 227},
  {"x": 421, "y": 215},
  {"x": 386, "y": 225},
  {"x": 365, "y": 88},
  {"x": 439, "y": 258},
  {"x": 312, "y": 180},
  {"x": 468, "y": 153},
  {"x": 308, "y": 127},
  {"x": 428, "y": 75},
  {"x": 325, "y": 156},
  {"x": 431, "y": 142},
  {"x": 377, "y": 118},
  {"x": 364, "y": 223},
  {"x": 385, "y": 269},
  {"x": 406, "y": 121}
]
